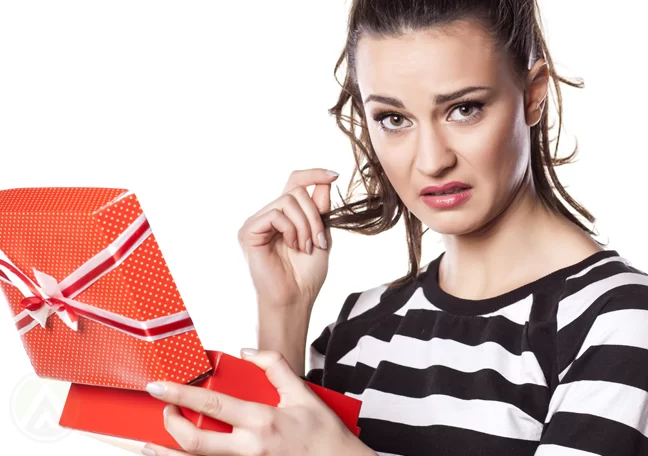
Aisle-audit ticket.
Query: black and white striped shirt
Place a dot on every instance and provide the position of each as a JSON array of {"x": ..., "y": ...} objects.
[{"x": 558, "y": 367}]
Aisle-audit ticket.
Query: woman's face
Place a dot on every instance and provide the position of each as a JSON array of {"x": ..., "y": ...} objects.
[{"x": 443, "y": 107}]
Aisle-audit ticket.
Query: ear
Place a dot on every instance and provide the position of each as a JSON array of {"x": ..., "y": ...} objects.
[{"x": 536, "y": 92}]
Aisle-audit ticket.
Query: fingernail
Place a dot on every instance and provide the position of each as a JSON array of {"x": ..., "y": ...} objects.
[
  {"x": 148, "y": 452},
  {"x": 309, "y": 246},
  {"x": 249, "y": 351},
  {"x": 165, "y": 412},
  {"x": 156, "y": 389},
  {"x": 321, "y": 238},
  {"x": 332, "y": 173},
  {"x": 296, "y": 245}
]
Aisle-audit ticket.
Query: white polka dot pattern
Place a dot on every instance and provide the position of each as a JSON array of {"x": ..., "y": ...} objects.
[{"x": 55, "y": 230}]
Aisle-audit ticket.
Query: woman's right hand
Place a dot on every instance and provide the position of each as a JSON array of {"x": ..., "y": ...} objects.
[{"x": 286, "y": 245}]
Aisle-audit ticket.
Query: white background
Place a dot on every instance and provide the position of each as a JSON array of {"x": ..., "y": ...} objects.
[{"x": 204, "y": 107}]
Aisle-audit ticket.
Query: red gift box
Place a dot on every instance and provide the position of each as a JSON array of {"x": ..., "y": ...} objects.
[
  {"x": 90, "y": 292},
  {"x": 136, "y": 415}
]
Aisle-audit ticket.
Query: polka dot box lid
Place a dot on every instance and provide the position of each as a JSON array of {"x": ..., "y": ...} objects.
[{"x": 90, "y": 293}]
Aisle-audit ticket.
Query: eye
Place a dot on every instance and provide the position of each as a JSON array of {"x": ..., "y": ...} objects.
[
  {"x": 466, "y": 112},
  {"x": 392, "y": 122}
]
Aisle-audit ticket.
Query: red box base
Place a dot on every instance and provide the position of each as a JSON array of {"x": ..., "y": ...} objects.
[{"x": 136, "y": 415}]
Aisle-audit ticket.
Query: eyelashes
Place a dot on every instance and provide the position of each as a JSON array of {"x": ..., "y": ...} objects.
[{"x": 465, "y": 112}]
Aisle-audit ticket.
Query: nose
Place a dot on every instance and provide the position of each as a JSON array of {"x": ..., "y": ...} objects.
[{"x": 433, "y": 155}]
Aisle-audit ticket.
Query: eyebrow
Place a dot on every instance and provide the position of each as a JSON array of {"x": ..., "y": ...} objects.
[{"x": 438, "y": 99}]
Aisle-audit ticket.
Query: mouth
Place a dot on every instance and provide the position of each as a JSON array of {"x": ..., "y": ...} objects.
[
  {"x": 451, "y": 191},
  {"x": 451, "y": 188}
]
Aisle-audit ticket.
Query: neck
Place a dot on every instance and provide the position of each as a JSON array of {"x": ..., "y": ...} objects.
[{"x": 524, "y": 243}]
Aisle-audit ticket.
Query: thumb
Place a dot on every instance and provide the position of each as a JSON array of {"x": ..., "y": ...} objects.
[
  {"x": 322, "y": 197},
  {"x": 277, "y": 370}
]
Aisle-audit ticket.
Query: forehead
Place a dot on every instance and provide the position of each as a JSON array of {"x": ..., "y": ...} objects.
[{"x": 440, "y": 59}]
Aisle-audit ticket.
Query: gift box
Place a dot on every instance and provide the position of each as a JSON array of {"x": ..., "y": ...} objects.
[
  {"x": 90, "y": 292},
  {"x": 136, "y": 415}
]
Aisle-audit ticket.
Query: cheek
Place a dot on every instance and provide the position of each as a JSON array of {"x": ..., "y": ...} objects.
[
  {"x": 502, "y": 144},
  {"x": 394, "y": 155}
]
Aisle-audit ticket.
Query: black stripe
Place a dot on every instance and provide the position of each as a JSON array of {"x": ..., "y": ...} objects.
[
  {"x": 630, "y": 297},
  {"x": 347, "y": 333},
  {"x": 419, "y": 383},
  {"x": 314, "y": 376},
  {"x": 573, "y": 335},
  {"x": 594, "y": 434},
  {"x": 598, "y": 273},
  {"x": 473, "y": 331},
  {"x": 425, "y": 325},
  {"x": 399, "y": 438},
  {"x": 321, "y": 343},
  {"x": 612, "y": 363}
]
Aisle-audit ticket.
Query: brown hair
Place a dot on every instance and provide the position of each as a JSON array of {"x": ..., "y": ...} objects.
[{"x": 517, "y": 28}]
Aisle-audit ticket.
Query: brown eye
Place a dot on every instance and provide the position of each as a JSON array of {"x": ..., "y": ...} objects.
[
  {"x": 394, "y": 122},
  {"x": 466, "y": 112}
]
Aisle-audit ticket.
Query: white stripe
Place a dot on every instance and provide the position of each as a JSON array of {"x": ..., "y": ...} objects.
[
  {"x": 105, "y": 254},
  {"x": 24, "y": 329},
  {"x": 418, "y": 301},
  {"x": 597, "y": 264},
  {"x": 490, "y": 417},
  {"x": 420, "y": 354},
  {"x": 627, "y": 327},
  {"x": 367, "y": 300},
  {"x": 558, "y": 450},
  {"x": 518, "y": 312},
  {"x": 14, "y": 279},
  {"x": 570, "y": 308},
  {"x": 20, "y": 316},
  {"x": 613, "y": 401},
  {"x": 315, "y": 358},
  {"x": 148, "y": 324}
]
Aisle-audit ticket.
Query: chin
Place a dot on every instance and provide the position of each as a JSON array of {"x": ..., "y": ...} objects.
[{"x": 451, "y": 222}]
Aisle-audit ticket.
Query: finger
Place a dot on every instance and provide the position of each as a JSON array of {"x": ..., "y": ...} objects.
[
  {"x": 313, "y": 216},
  {"x": 278, "y": 371},
  {"x": 198, "y": 441},
  {"x": 322, "y": 198},
  {"x": 294, "y": 211},
  {"x": 161, "y": 451},
  {"x": 259, "y": 230},
  {"x": 308, "y": 177},
  {"x": 220, "y": 406},
  {"x": 288, "y": 205}
]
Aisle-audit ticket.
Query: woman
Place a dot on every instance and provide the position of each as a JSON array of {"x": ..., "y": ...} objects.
[{"x": 524, "y": 337}]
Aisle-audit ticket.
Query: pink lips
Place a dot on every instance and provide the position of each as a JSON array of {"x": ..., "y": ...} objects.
[{"x": 446, "y": 201}]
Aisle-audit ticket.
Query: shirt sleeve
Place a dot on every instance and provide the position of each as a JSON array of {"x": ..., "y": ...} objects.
[
  {"x": 317, "y": 354},
  {"x": 600, "y": 406}
]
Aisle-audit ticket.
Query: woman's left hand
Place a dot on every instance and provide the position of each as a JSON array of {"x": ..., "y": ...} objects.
[{"x": 300, "y": 425}]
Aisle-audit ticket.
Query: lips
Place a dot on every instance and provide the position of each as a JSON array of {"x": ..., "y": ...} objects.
[{"x": 446, "y": 189}]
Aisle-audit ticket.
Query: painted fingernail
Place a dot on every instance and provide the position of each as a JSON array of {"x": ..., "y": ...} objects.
[
  {"x": 156, "y": 389},
  {"x": 148, "y": 452},
  {"x": 332, "y": 173},
  {"x": 165, "y": 412},
  {"x": 321, "y": 238},
  {"x": 249, "y": 351},
  {"x": 309, "y": 246}
]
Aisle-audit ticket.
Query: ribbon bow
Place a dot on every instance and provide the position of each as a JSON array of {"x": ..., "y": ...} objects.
[{"x": 47, "y": 296}]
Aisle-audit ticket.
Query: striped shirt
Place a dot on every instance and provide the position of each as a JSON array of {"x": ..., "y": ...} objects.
[{"x": 557, "y": 367}]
